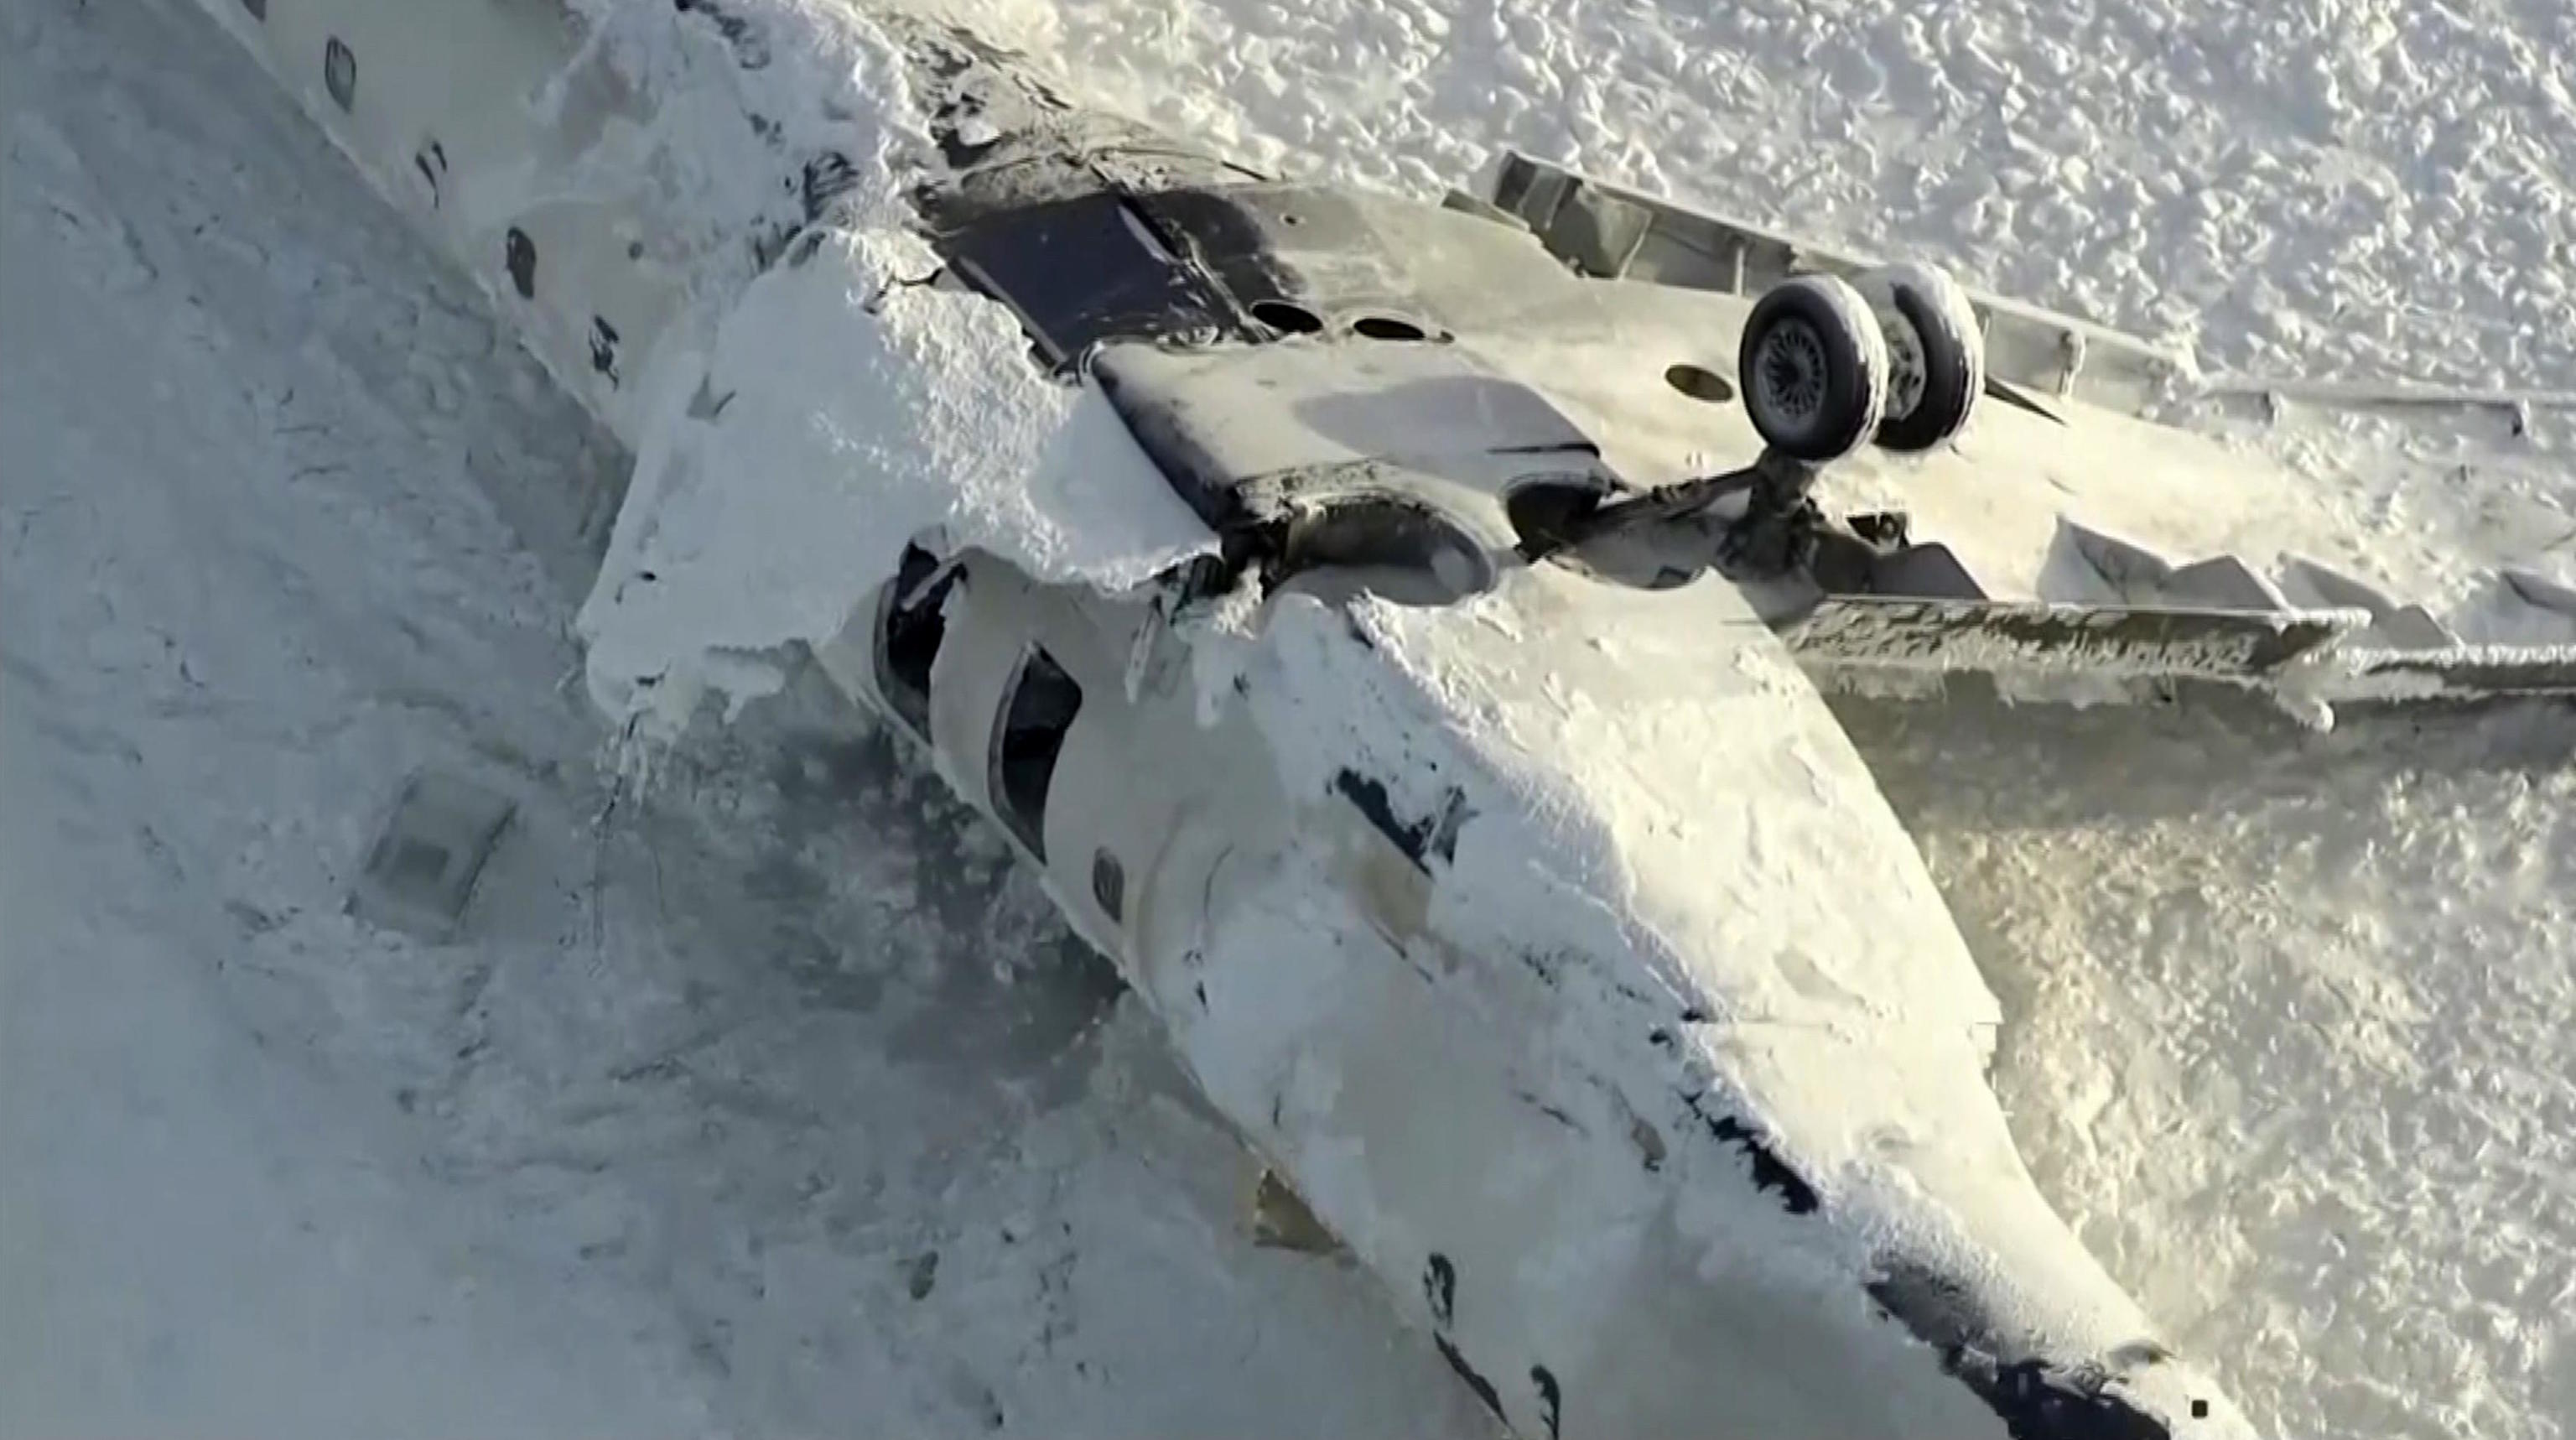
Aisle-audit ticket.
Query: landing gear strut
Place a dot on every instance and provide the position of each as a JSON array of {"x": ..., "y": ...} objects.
[{"x": 1826, "y": 366}]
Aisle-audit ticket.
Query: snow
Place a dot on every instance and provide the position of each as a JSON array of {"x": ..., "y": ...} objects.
[
  {"x": 2285, "y": 1036},
  {"x": 2344, "y": 191},
  {"x": 665, "y": 1146},
  {"x": 1848, "y": 1019},
  {"x": 795, "y": 427},
  {"x": 860, "y": 412},
  {"x": 2316, "y": 187},
  {"x": 2345, "y": 1208}
]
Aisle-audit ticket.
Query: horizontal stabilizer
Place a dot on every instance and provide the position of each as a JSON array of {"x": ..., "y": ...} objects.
[
  {"x": 2309, "y": 660},
  {"x": 2465, "y": 672},
  {"x": 2041, "y": 637}
]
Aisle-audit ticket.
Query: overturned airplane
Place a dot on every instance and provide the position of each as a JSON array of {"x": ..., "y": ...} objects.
[{"x": 1504, "y": 876}]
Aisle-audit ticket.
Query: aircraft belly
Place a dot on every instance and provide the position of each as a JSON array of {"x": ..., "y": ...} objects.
[{"x": 1510, "y": 1201}]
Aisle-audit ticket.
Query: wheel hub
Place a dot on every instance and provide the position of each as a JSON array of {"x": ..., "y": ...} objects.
[
  {"x": 1792, "y": 372},
  {"x": 1908, "y": 372}
]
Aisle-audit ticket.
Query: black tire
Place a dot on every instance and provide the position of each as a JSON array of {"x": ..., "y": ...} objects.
[
  {"x": 1936, "y": 354},
  {"x": 1813, "y": 369}
]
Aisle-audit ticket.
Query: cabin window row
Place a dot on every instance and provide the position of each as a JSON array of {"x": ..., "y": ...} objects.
[{"x": 1039, "y": 706}]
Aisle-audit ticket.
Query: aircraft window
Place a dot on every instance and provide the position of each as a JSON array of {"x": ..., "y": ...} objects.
[
  {"x": 420, "y": 160},
  {"x": 340, "y": 72},
  {"x": 1042, "y": 704},
  {"x": 910, "y": 628},
  {"x": 519, "y": 257},
  {"x": 1109, "y": 884}
]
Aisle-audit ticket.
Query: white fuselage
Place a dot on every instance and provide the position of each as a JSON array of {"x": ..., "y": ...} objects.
[
  {"x": 1555, "y": 944},
  {"x": 1505, "y": 1077}
]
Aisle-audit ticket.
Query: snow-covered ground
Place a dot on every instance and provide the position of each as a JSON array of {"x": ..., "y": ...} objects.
[
  {"x": 777, "y": 1103},
  {"x": 2357, "y": 186},
  {"x": 2287, "y": 1029},
  {"x": 665, "y": 1147}
]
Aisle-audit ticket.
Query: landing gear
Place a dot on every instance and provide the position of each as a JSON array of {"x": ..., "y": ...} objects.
[
  {"x": 1826, "y": 366},
  {"x": 1781, "y": 525},
  {"x": 1896, "y": 357},
  {"x": 1814, "y": 367},
  {"x": 1936, "y": 354}
]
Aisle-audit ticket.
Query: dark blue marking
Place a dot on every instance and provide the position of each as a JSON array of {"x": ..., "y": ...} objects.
[
  {"x": 1440, "y": 1287},
  {"x": 750, "y": 50},
  {"x": 1551, "y": 1400},
  {"x": 1421, "y": 840},
  {"x": 603, "y": 348},
  {"x": 827, "y": 177},
  {"x": 1770, "y": 1172},
  {"x": 1483, "y": 1387},
  {"x": 2036, "y": 1400}
]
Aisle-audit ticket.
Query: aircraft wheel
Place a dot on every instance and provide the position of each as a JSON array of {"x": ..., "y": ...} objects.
[
  {"x": 1813, "y": 367},
  {"x": 1936, "y": 354}
]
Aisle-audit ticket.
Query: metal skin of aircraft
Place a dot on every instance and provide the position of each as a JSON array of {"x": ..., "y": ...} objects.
[{"x": 1513, "y": 891}]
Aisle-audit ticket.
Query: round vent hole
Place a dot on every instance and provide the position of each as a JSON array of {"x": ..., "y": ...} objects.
[
  {"x": 1287, "y": 317},
  {"x": 1387, "y": 327},
  {"x": 1700, "y": 384}
]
